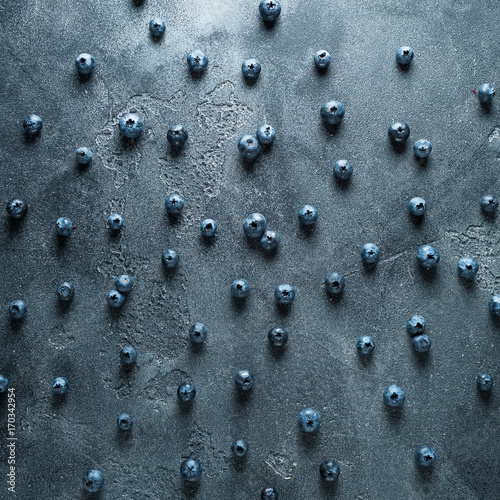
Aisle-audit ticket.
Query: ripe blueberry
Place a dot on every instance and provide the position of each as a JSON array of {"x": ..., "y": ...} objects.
[
  {"x": 335, "y": 283},
  {"x": 427, "y": 256},
  {"x": 284, "y": 294},
  {"x": 174, "y": 204},
  {"x": 16, "y": 208},
  {"x": 17, "y": 309},
  {"x": 398, "y": 132},
  {"x": 249, "y": 146},
  {"x": 32, "y": 124},
  {"x": 332, "y": 112},
  {"x": 60, "y": 386},
  {"x": 309, "y": 420},
  {"x": 251, "y": 69},
  {"x": 65, "y": 292},
  {"x": 85, "y": 63},
  {"x": 131, "y": 125},
  {"x": 197, "y": 61}
]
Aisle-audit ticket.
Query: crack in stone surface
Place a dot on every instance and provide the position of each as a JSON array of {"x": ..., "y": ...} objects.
[
  {"x": 495, "y": 134},
  {"x": 220, "y": 114},
  {"x": 61, "y": 336},
  {"x": 482, "y": 243},
  {"x": 201, "y": 444},
  {"x": 123, "y": 157}
]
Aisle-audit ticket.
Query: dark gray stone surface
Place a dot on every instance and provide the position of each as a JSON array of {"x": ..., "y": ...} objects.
[{"x": 456, "y": 49}]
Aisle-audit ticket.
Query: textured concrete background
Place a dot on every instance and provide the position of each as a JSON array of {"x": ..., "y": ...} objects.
[{"x": 456, "y": 47}]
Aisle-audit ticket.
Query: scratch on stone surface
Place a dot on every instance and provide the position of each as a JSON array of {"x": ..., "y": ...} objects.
[
  {"x": 23, "y": 67},
  {"x": 281, "y": 464},
  {"x": 391, "y": 258},
  {"x": 338, "y": 360},
  {"x": 385, "y": 260}
]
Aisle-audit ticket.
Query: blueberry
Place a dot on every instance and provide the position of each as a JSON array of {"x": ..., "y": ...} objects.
[
  {"x": 198, "y": 333},
  {"x": 322, "y": 59},
  {"x": 370, "y": 253},
  {"x": 329, "y": 470},
  {"x": 4, "y": 383},
  {"x": 191, "y": 470},
  {"x": 486, "y": 92},
  {"x": 125, "y": 422},
  {"x": 128, "y": 354},
  {"x": 309, "y": 420},
  {"x": 174, "y": 204},
  {"x": 240, "y": 288},
  {"x": 239, "y": 448},
  {"x": 83, "y": 156},
  {"x": 254, "y": 225},
  {"x": 177, "y": 136},
  {"x": 115, "y": 222},
  {"x": 494, "y": 305},
  {"x": 342, "y": 170},
  {"x": 425, "y": 456},
  {"x": 251, "y": 69},
  {"x": 416, "y": 324},
  {"x": 93, "y": 481},
  {"x": 249, "y": 146},
  {"x": 335, "y": 283},
  {"x": 268, "y": 493},
  {"x": 85, "y": 63},
  {"x": 417, "y": 206},
  {"x": 269, "y": 10},
  {"x": 421, "y": 343},
  {"x": 489, "y": 203},
  {"x": 467, "y": 268},
  {"x": 404, "y": 55},
  {"x": 32, "y": 124},
  {"x": 60, "y": 386},
  {"x": 244, "y": 380},
  {"x": 208, "y": 227},
  {"x": 308, "y": 215},
  {"x": 398, "y": 132},
  {"x": 115, "y": 298},
  {"x": 332, "y": 112},
  {"x": 270, "y": 240},
  {"x": 186, "y": 392},
  {"x": 484, "y": 382},
  {"x": 131, "y": 125},
  {"x": 170, "y": 258},
  {"x": 124, "y": 283},
  {"x": 278, "y": 337},
  {"x": 427, "y": 256},
  {"x": 197, "y": 61},
  {"x": 394, "y": 396},
  {"x": 422, "y": 148},
  {"x": 157, "y": 27},
  {"x": 266, "y": 134},
  {"x": 17, "y": 309},
  {"x": 64, "y": 226},
  {"x": 365, "y": 345},
  {"x": 284, "y": 294},
  {"x": 65, "y": 292},
  {"x": 16, "y": 208}
]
